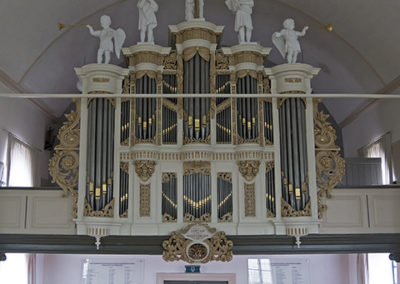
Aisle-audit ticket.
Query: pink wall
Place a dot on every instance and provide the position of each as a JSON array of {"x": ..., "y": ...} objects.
[{"x": 67, "y": 269}]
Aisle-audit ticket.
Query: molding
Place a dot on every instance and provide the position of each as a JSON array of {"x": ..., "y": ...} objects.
[
  {"x": 15, "y": 87},
  {"x": 242, "y": 245}
]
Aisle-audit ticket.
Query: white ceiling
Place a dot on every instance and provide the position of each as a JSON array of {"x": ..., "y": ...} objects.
[{"x": 360, "y": 56}]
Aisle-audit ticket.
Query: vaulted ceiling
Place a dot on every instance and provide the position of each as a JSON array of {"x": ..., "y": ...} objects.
[{"x": 359, "y": 56}]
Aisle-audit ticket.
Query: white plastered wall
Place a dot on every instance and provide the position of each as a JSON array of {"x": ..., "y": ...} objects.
[
  {"x": 382, "y": 117},
  {"x": 21, "y": 118},
  {"x": 66, "y": 269}
]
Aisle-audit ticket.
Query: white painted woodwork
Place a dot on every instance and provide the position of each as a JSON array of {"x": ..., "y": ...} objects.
[
  {"x": 363, "y": 171},
  {"x": 35, "y": 212},
  {"x": 358, "y": 210}
]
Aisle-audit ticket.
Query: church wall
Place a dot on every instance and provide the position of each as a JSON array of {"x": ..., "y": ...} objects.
[
  {"x": 67, "y": 269},
  {"x": 380, "y": 118},
  {"x": 28, "y": 124}
]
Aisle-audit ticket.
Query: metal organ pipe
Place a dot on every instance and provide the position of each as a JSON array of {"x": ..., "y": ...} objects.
[
  {"x": 100, "y": 153},
  {"x": 294, "y": 153}
]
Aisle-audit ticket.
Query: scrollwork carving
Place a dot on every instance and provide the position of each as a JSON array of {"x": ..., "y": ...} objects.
[
  {"x": 64, "y": 165},
  {"x": 288, "y": 211},
  {"x": 107, "y": 211},
  {"x": 249, "y": 169},
  {"x": 330, "y": 166},
  {"x": 197, "y": 243},
  {"x": 145, "y": 169}
]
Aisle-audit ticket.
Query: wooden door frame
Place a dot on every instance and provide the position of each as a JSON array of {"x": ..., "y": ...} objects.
[{"x": 230, "y": 277}]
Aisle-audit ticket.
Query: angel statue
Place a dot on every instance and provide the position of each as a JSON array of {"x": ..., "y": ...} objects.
[
  {"x": 147, "y": 19},
  {"x": 286, "y": 41},
  {"x": 106, "y": 35},
  {"x": 190, "y": 8},
  {"x": 243, "y": 23}
]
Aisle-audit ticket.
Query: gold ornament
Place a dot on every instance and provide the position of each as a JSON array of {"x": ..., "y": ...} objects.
[
  {"x": 197, "y": 243},
  {"x": 249, "y": 169},
  {"x": 107, "y": 211},
  {"x": 330, "y": 166},
  {"x": 145, "y": 169},
  {"x": 64, "y": 165},
  {"x": 288, "y": 211}
]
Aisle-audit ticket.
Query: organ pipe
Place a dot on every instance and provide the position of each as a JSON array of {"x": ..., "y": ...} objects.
[
  {"x": 247, "y": 109},
  {"x": 146, "y": 110},
  {"x": 294, "y": 153},
  {"x": 100, "y": 151}
]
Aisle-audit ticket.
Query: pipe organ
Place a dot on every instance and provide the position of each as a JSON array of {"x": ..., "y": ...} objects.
[{"x": 210, "y": 146}]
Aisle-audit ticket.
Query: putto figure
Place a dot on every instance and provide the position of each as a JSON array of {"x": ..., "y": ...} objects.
[
  {"x": 243, "y": 23},
  {"x": 147, "y": 19},
  {"x": 106, "y": 36},
  {"x": 190, "y": 9},
  {"x": 286, "y": 41}
]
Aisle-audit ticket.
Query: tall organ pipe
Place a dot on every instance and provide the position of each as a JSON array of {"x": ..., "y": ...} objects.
[
  {"x": 196, "y": 81},
  {"x": 294, "y": 153},
  {"x": 100, "y": 153},
  {"x": 146, "y": 109}
]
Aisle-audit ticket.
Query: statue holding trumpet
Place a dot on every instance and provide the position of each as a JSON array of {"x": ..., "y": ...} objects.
[{"x": 106, "y": 36}]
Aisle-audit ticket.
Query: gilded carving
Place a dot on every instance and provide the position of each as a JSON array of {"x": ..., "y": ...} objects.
[
  {"x": 292, "y": 80},
  {"x": 249, "y": 169},
  {"x": 247, "y": 57},
  {"x": 64, "y": 165},
  {"x": 189, "y": 218},
  {"x": 227, "y": 218},
  {"x": 330, "y": 165},
  {"x": 197, "y": 243},
  {"x": 196, "y": 33},
  {"x": 145, "y": 169},
  {"x": 221, "y": 61},
  {"x": 269, "y": 166},
  {"x": 167, "y": 177},
  {"x": 250, "y": 200},
  {"x": 166, "y": 218},
  {"x": 125, "y": 167},
  {"x": 190, "y": 52},
  {"x": 244, "y": 72},
  {"x": 190, "y": 168},
  {"x": 225, "y": 176},
  {"x": 144, "y": 200},
  {"x": 146, "y": 57},
  {"x": 170, "y": 62},
  {"x": 288, "y": 211},
  {"x": 107, "y": 211},
  {"x": 206, "y": 140}
]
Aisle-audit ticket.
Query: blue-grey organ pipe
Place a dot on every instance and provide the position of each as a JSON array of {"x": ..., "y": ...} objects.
[
  {"x": 100, "y": 151},
  {"x": 224, "y": 193},
  {"x": 247, "y": 109},
  {"x": 197, "y": 110},
  {"x": 223, "y": 118},
  {"x": 268, "y": 131},
  {"x": 197, "y": 192},
  {"x": 146, "y": 109},
  {"x": 294, "y": 153},
  {"x": 125, "y": 120},
  {"x": 123, "y": 192},
  {"x": 169, "y": 197},
  {"x": 270, "y": 190}
]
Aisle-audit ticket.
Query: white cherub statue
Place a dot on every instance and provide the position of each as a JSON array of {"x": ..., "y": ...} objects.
[
  {"x": 190, "y": 6},
  {"x": 286, "y": 40},
  {"x": 243, "y": 23},
  {"x": 147, "y": 19},
  {"x": 106, "y": 35}
]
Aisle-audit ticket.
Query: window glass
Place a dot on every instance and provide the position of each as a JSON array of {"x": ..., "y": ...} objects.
[{"x": 14, "y": 270}]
